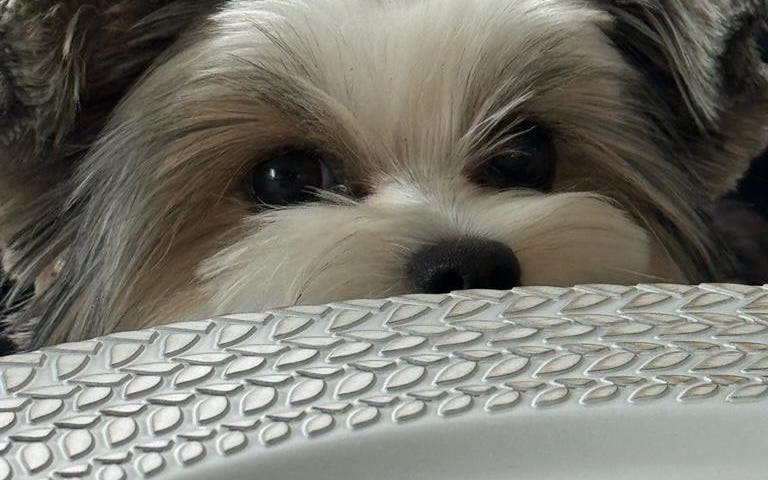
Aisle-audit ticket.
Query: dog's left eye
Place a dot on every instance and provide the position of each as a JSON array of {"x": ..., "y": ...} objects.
[
  {"x": 289, "y": 177},
  {"x": 531, "y": 163}
]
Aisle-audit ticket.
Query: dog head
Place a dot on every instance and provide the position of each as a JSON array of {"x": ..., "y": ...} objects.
[{"x": 282, "y": 152}]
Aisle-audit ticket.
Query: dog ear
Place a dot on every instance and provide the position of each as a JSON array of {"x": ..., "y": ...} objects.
[
  {"x": 705, "y": 82},
  {"x": 64, "y": 65}
]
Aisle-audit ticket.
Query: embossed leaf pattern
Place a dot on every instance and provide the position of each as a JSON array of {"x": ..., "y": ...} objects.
[
  {"x": 699, "y": 391},
  {"x": 550, "y": 397},
  {"x": 405, "y": 377},
  {"x": 560, "y": 365},
  {"x": 600, "y": 394},
  {"x": 751, "y": 392},
  {"x": 649, "y": 392},
  {"x": 719, "y": 360},
  {"x": 503, "y": 400},
  {"x": 318, "y": 424},
  {"x": 666, "y": 360},
  {"x": 613, "y": 361},
  {"x": 507, "y": 368},
  {"x": 140, "y": 403},
  {"x": 455, "y": 372},
  {"x": 455, "y": 405}
]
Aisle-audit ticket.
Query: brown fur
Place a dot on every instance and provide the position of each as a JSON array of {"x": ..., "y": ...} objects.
[{"x": 66, "y": 65}]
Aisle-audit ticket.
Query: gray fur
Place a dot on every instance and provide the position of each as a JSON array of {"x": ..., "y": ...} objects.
[{"x": 138, "y": 201}]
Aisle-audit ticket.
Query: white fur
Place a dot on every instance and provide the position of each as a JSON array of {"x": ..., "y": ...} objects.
[
  {"x": 406, "y": 98},
  {"x": 411, "y": 107},
  {"x": 325, "y": 253},
  {"x": 403, "y": 96}
]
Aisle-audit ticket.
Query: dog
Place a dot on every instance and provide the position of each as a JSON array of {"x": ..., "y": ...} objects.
[{"x": 166, "y": 160}]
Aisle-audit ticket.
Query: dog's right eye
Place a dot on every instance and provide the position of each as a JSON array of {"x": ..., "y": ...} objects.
[
  {"x": 289, "y": 177},
  {"x": 531, "y": 164}
]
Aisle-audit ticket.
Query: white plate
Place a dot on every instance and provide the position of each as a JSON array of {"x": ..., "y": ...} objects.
[{"x": 595, "y": 382}]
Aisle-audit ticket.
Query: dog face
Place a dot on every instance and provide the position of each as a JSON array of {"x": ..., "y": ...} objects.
[{"x": 285, "y": 152}]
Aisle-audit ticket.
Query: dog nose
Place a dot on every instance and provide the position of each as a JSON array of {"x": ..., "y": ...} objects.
[{"x": 463, "y": 265}]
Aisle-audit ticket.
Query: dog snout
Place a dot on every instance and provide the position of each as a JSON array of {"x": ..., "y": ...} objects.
[{"x": 463, "y": 264}]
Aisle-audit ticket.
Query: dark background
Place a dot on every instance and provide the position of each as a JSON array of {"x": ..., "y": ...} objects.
[{"x": 754, "y": 187}]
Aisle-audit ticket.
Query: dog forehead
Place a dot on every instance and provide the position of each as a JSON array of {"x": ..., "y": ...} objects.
[{"x": 409, "y": 77}]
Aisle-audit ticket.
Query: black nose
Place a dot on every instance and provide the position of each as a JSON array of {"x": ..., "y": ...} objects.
[{"x": 462, "y": 265}]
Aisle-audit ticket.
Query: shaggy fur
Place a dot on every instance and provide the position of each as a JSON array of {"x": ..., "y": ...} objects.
[{"x": 129, "y": 130}]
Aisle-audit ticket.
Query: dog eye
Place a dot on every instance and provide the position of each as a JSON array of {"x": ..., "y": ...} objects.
[
  {"x": 531, "y": 164},
  {"x": 289, "y": 177}
]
